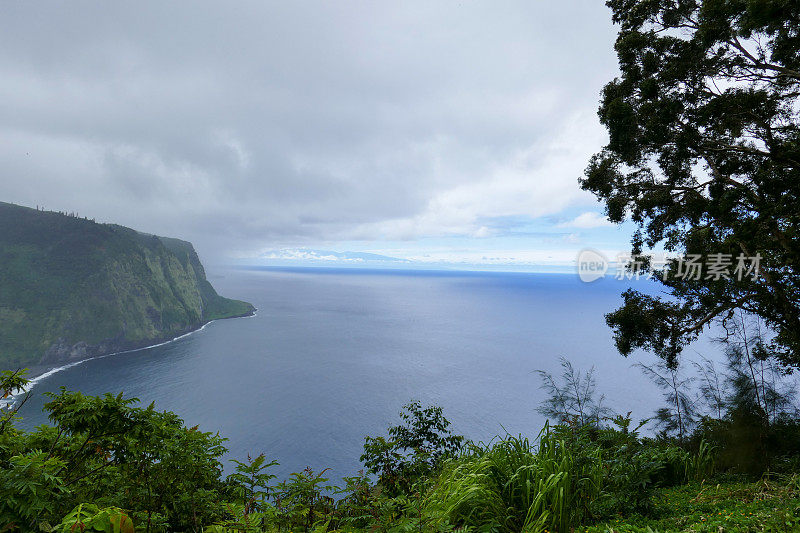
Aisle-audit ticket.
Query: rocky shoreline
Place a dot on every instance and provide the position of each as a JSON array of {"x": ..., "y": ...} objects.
[{"x": 62, "y": 353}]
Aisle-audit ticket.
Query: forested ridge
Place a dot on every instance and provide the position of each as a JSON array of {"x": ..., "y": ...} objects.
[{"x": 71, "y": 288}]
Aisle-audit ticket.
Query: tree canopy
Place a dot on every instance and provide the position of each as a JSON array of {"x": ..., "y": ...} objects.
[{"x": 704, "y": 157}]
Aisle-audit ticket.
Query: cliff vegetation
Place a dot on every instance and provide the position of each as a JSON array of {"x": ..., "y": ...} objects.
[{"x": 71, "y": 288}]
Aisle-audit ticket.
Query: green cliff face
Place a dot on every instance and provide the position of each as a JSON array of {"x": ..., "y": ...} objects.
[{"x": 71, "y": 288}]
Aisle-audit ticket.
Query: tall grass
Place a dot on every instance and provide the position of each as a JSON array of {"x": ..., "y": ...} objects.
[
  {"x": 701, "y": 465},
  {"x": 512, "y": 486}
]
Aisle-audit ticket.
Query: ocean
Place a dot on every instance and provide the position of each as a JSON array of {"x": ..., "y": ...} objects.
[{"x": 333, "y": 354}]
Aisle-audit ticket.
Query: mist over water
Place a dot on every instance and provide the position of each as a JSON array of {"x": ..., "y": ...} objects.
[{"x": 333, "y": 354}]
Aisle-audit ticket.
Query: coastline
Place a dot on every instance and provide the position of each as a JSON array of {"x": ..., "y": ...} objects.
[{"x": 37, "y": 373}]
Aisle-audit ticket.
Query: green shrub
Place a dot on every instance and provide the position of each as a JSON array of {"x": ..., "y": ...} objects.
[
  {"x": 90, "y": 518},
  {"x": 512, "y": 486},
  {"x": 415, "y": 449}
]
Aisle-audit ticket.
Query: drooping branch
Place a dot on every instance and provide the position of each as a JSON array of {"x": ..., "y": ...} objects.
[{"x": 762, "y": 64}]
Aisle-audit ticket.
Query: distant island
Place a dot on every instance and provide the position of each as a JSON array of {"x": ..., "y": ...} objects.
[{"x": 71, "y": 288}]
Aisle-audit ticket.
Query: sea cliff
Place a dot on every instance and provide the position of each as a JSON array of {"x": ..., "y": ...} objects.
[{"x": 71, "y": 288}]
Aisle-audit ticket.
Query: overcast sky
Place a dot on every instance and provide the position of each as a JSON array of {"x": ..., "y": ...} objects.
[{"x": 453, "y": 131}]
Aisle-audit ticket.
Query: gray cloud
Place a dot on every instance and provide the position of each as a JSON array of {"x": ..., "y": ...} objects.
[{"x": 247, "y": 125}]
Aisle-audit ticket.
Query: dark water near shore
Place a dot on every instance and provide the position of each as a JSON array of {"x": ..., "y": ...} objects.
[{"x": 332, "y": 355}]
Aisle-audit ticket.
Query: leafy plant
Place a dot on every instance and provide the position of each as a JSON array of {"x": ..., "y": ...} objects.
[
  {"x": 415, "y": 448},
  {"x": 302, "y": 501},
  {"x": 700, "y": 466},
  {"x": 88, "y": 517},
  {"x": 251, "y": 482},
  {"x": 105, "y": 451},
  {"x": 30, "y": 488}
]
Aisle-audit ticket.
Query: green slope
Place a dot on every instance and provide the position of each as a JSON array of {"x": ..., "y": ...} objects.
[{"x": 71, "y": 288}]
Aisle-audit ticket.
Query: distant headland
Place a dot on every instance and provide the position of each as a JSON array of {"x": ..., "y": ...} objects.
[{"x": 72, "y": 289}]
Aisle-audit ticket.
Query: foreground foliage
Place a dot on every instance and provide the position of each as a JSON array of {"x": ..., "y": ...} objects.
[
  {"x": 767, "y": 505},
  {"x": 108, "y": 465}
]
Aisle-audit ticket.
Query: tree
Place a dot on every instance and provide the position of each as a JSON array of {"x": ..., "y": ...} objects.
[
  {"x": 712, "y": 387},
  {"x": 754, "y": 382},
  {"x": 108, "y": 454},
  {"x": 574, "y": 399},
  {"x": 704, "y": 157},
  {"x": 415, "y": 449},
  {"x": 754, "y": 422},
  {"x": 678, "y": 416}
]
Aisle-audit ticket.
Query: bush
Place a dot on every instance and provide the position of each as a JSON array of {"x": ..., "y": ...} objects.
[
  {"x": 108, "y": 464},
  {"x": 512, "y": 486},
  {"x": 415, "y": 449},
  {"x": 108, "y": 453}
]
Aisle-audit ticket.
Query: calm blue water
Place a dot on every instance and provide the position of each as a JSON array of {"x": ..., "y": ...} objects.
[{"x": 332, "y": 355}]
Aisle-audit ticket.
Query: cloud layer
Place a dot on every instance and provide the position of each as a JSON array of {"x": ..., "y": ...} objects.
[{"x": 250, "y": 125}]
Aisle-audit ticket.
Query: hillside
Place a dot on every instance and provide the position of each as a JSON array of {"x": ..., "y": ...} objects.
[{"x": 71, "y": 288}]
